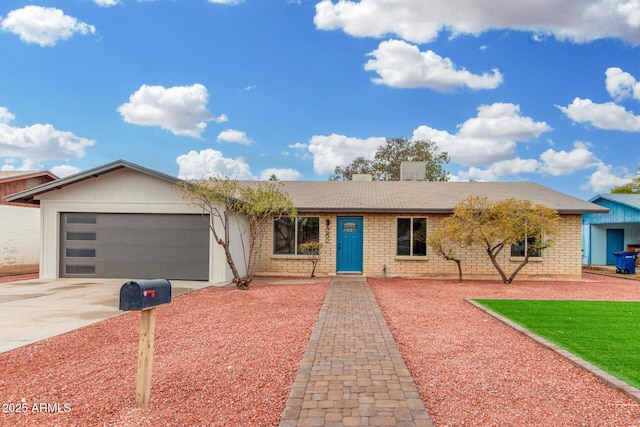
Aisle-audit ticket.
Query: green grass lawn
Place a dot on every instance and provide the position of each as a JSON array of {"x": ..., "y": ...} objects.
[{"x": 604, "y": 333}]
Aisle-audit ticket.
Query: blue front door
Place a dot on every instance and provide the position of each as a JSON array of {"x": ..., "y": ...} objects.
[
  {"x": 615, "y": 243},
  {"x": 349, "y": 248}
]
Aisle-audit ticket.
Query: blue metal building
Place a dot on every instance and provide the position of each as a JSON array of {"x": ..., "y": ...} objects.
[{"x": 618, "y": 230}]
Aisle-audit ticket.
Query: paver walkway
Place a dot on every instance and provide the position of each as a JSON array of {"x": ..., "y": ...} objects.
[{"x": 352, "y": 373}]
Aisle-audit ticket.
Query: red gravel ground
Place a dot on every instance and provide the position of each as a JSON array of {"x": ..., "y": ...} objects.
[
  {"x": 226, "y": 358},
  {"x": 471, "y": 369},
  {"x": 223, "y": 357}
]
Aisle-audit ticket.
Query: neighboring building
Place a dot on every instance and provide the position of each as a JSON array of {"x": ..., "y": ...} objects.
[
  {"x": 20, "y": 223},
  {"x": 123, "y": 218},
  {"x": 15, "y": 181},
  {"x": 618, "y": 230}
]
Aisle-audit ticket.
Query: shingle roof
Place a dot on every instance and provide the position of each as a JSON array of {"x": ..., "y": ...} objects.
[
  {"x": 422, "y": 197},
  {"x": 632, "y": 200},
  {"x": 368, "y": 196}
]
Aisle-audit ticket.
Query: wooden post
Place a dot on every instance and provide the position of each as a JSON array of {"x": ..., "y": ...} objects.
[{"x": 145, "y": 357}]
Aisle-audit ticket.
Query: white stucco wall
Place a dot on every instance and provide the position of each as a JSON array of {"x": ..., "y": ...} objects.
[
  {"x": 19, "y": 236},
  {"x": 238, "y": 231},
  {"x": 119, "y": 191}
]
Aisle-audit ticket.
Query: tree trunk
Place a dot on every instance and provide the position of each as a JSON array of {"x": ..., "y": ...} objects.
[
  {"x": 493, "y": 255},
  {"x": 520, "y": 267},
  {"x": 457, "y": 261},
  {"x": 240, "y": 282}
]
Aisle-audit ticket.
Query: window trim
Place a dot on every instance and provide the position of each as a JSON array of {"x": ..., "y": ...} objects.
[
  {"x": 411, "y": 256},
  {"x": 296, "y": 220}
]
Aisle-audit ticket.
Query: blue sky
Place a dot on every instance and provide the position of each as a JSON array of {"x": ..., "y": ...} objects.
[{"x": 548, "y": 93}]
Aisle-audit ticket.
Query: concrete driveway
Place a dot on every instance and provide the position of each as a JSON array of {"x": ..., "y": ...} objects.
[{"x": 33, "y": 310}]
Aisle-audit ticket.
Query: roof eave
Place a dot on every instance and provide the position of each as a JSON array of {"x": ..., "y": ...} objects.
[
  {"x": 582, "y": 211},
  {"x": 614, "y": 200},
  {"x": 370, "y": 210},
  {"x": 424, "y": 211},
  {"x": 29, "y": 175}
]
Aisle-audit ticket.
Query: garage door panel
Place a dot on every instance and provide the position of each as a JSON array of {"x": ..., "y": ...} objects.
[
  {"x": 135, "y": 246},
  {"x": 146, "y": 270},
  {"x": 151, "y": 237},
  {"x": 140, "y": 222},
  {"x": 141, "y": 253}
]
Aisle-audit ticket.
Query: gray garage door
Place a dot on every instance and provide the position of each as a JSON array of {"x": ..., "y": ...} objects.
[{"x": 136, "y": 246}]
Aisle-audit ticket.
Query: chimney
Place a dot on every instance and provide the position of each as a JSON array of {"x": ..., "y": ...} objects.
[
  {"x": 361, "y": 177},
  {"x": 413, "y": 171}
]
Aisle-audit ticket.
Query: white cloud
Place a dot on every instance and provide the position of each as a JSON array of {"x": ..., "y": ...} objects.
[
  {"x": 604, "y": 178},
  {"x": 232, "y": 135},
  {"x": 181, "y": 110},
  {"x": 467, "y": 151},
  {"x": 537, "y": 38},
  {"x": 43, "y": 25},
  {"x": 489, "y": 137},
  {"x": 106, "y": 3},
  {"x": 298, "y": 146},
  {"x": 228, "y": 2},
  {"x": 420, "y": 21},
  {"x": 281, "y": 174},
  {"x": 27, "y": 165},
  {"x": 64, "y": 170},
  {"x": 38, "y": 142},
  {"x": 502, "y": 121},
  {"x": 621, "y": 85},
  {"x": 607, "y": 116},
  {"x": 5, "y": 115},
  {"x": 551, "y": 162},
  {"x": 511, "y": 167},
  {"x": 35, "y": 165},
  {"x": 208, "y": 163},
  {"x": 566, "y": 162},
  {"x": 402, "y": 65},
  {"x": 301, "y": 151},
  {"x": 337, "y": 150}
]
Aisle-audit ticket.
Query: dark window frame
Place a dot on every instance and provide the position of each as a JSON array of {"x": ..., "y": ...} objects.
[
  {"x": 520, "y": 250},
  {"x": 411, "y": 236},
  {"x": 290, "y": 233}
]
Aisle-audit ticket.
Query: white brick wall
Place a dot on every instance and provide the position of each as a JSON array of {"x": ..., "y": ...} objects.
[{"x": 19, "y": 236}]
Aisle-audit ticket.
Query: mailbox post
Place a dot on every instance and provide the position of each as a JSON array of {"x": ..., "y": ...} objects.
[{"x": 145, "y": 295}]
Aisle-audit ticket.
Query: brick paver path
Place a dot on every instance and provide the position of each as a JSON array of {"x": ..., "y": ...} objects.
[{"x": 352, "y": 373}]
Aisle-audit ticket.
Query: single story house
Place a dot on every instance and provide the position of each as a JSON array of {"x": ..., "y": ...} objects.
[
  {"x": 123, "y": 220},
  {"x": 618, "y": 230},
  {"x": 20, "y": 222}
]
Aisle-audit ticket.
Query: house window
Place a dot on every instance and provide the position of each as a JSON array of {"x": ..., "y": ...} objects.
[
  {"x": 80, "y": 236},
  {"x": 80, "y": 219},
  {"x": 80, "y": 253},
  {"x": 520, "y": 250},
  {"x": 411, "y": 237},
  {"x": 290, "y": 233}
]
